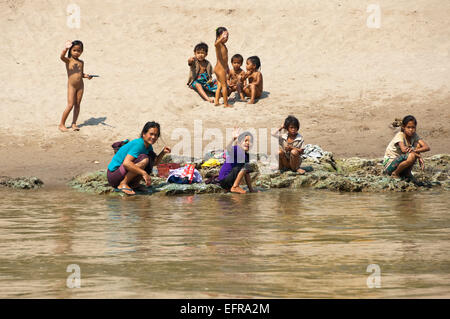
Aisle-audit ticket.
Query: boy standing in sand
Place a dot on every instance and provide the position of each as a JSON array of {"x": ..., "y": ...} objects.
[{"x": 221, "y": 69}]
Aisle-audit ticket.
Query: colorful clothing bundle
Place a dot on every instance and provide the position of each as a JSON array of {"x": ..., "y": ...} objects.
[
  {"x": 208, "y": 84},
  {"x": 185, "y": 175}
]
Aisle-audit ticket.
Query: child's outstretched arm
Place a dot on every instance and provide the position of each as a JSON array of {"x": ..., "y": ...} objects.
[
  {"x": 64, "y": 52},
  {"x": 191, "y": 61}
]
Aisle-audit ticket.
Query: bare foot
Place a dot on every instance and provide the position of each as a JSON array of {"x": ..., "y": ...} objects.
[
  {"x": 395, "y": 176},
  {"x": 75, "y": 127},
  {"x": 62, "y": 128},
  {"x": 227, "y": 105},
  {"x": 301, "y": 171},
  {"x": 238, "y": 190},
  {"x": 211, "y": 101},
  {"x": 251, "y": 102},
  {"x": 216, "y": 104}
]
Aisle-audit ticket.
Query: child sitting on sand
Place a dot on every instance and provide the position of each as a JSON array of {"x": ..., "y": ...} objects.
[
  {"x": 404, "y": 149},
  {"x": 235, "y": 77},
  {"x": 75, "y": 87},
  {"x": 290, "y": 153},
  {"x": 200, "y": 76},
  {"x": 254, "y": 88},
  {"x": 236, "y": 166},
  {"x": 221, "y": 69}
]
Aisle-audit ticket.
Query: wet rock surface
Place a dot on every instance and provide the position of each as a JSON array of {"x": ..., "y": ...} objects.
[
  {"x": 21, "y": 182},
  {"x": 346, "y": 175}
]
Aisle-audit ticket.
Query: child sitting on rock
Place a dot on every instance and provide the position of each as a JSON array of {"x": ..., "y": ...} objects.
[
  {"x": 290, "y": 153},
  {"x": 236, "y": 166},
  {"x": 404, "y": 149}
]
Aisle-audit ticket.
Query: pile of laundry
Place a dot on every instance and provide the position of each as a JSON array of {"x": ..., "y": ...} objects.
[
  {"x": 184, "y": 175},
  {"x": 313, "y": 151}
]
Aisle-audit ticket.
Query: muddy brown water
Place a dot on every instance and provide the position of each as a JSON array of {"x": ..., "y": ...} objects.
[{"x": 275, "y": 244}]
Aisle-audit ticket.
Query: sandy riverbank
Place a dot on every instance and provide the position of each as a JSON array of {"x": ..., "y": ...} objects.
[{"x": 344, "y": 81}]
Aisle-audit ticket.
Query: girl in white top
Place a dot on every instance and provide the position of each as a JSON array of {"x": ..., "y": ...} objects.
[{"x": 404, "y": 149}]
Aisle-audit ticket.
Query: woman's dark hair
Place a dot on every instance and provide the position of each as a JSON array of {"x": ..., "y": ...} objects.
[
  {"x": 201, "y": 46},
  {"x": 150, "y": 125},
  {"x": 74, "y": 43},
  {"x": 242, "y": 136},
  {"x": 255, "y": 60},
  {"x": 237, "y": 56},
  {"x": 219, "y": 31},
  {"x": 291, "y": 120},
  {"x": 407, "y": 119}
]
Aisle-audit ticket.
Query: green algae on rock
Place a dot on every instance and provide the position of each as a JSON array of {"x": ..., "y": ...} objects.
[
  {"x": 346, "y": 175},
  {"x": 21, "y": 182}
]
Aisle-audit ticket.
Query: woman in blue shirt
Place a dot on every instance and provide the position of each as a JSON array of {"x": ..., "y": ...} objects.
[{"x": 135, "y": 160}]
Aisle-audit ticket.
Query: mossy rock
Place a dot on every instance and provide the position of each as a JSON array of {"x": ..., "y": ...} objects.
[{"x": 21, "y": 182}]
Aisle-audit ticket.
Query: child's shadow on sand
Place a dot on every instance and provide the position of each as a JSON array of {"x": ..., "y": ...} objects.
[
  {"x": 93, "y": 121},
  {"x": 264, "y": 95}
]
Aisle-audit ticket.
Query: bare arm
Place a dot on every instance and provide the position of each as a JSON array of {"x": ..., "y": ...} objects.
[
  {"x": 191, "y": 61},
  {"x": 257, "y": 80},
  {"x": 221, "y": 39},
  {"x": 88, "y": 76},
  {"x": 131, "y": 167},
  {"x": 63, "y": 56},
  {"x": 165, "y": 150},
  {"x": 277, "y": 133},
  {"x": 423, "y": 147},
  {"x": 64, "y": 52},
  {"x": 404, "y": 148}
]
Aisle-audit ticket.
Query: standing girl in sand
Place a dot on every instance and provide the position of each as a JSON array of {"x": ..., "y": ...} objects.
[
  {"x": 75, "y": 85},
  {"x": 404, "y": 149},
  {"x": 221, "y": 69}
]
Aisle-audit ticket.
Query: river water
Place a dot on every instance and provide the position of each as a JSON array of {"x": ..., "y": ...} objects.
[{"x": 276, "y": 244}]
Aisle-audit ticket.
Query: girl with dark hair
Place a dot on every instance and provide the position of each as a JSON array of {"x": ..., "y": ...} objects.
[
  {"x": 236, "y": 166},
  {"x": 135, "y": 160},
  {"x": 75, "y": 87},
  {"x": 404, "y": 149},
  {"x": 290, "y": 153},
  {"x": 221, "y": 69},
  {"x": 254, "y": 88}
]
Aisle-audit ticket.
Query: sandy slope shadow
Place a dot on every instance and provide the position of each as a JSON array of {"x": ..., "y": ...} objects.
[
  {"x": 93, "y": 121},
  {"x": 264, "y": 94}
]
